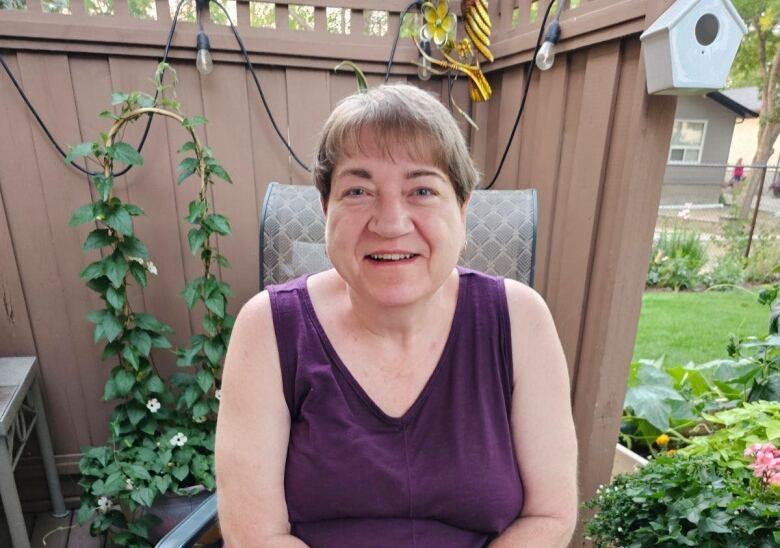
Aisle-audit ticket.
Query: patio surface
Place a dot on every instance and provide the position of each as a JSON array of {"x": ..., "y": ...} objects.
[{"x": 56, "y": 533}]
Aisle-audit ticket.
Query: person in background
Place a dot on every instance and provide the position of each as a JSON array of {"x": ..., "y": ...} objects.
[
  {"x": 396, "y": 400},
  {"x": 738, "y": 175}
]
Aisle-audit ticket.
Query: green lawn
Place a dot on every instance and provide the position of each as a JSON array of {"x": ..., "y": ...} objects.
[{"x": 688, "y": 326}]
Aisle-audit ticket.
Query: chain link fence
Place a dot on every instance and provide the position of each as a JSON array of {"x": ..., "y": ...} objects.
[{"x": 705, "y": 199}]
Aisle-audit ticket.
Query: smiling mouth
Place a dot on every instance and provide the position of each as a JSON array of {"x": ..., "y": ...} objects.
[{"x": 391, "y": 257}]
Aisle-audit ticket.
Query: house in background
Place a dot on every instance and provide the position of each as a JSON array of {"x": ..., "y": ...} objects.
[{"x": 703, "y": 131}]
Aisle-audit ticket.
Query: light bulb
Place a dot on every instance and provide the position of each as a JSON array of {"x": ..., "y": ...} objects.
[
  {"x": 546, "y": 56},
  {"x": 424, "y": 68},
  {"x": 203, "y": 59}
]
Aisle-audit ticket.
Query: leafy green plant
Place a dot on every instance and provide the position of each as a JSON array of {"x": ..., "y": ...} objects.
[
  {"x": 161, "y": 438},
  {"x": 686, "y": 501},
  {"x": 678, "y": 257},
  {"x": 727, "y": 273}
]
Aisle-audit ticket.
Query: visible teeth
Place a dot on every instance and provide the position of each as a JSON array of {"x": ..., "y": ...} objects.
[{"x": 391, "y": 257}]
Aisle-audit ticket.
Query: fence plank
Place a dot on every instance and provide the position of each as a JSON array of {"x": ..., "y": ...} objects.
[
  {"x": 225, "y": 104},
  {"x": 305, "y": 122},
  {"x": 25, "y": 200},
  {"x": 512, "y": 83}
]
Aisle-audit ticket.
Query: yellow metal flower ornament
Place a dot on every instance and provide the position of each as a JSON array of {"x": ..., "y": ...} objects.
[{"x": 440, "y": 25}]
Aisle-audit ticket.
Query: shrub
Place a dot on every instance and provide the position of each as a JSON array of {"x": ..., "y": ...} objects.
[{"x": 678, "y": 256}]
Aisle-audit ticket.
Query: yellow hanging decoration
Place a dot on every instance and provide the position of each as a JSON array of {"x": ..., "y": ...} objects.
[{"x": 477, "y": 25}]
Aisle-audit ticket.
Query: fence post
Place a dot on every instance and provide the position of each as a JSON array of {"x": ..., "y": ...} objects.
[{"x": 755, "y": 211}]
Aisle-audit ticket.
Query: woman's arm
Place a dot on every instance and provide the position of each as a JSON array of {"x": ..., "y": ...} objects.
[
  {"x": 542, "y": 427},
  {"x": 253, "y": 429}
]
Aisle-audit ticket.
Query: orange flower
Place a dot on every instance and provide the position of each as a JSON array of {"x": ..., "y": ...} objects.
[{"x": 662, "y": 440}]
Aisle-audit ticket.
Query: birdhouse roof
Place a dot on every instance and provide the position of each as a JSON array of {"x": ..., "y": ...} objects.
[{"x": 680, "y": 9}]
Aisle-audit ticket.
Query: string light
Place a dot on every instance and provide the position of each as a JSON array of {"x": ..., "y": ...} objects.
[{"x": 203, "y": 60}]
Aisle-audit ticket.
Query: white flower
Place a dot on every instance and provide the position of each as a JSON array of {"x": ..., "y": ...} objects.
[
  {"x": 129, "y": 484},
  {"x": 153, "y": 405},
  {"x": 104, "y": 504},
  {"x": 179, "y": 440},
  {"x": 137, "y": 259},
  {"x": 218, "y": 394},
  {"x": 684, "y": 213},
  {"x": 200, "y": 419},
  {"x": 151, "y": 268}
]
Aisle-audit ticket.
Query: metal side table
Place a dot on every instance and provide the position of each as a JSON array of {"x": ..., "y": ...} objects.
[{"x": 21, "y": 410}]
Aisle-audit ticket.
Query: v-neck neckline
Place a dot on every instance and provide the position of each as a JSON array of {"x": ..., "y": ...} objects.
[{"x": 353, "y": 382}]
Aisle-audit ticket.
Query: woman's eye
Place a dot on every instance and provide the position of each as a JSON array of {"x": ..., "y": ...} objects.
[
  {"x": 424, "y": 192},
  {"x": 355, "y": 192}
]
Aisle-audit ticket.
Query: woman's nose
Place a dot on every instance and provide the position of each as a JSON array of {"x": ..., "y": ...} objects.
[{"x": 390, "y": 218}]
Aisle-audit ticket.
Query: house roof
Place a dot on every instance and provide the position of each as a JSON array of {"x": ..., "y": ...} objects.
[{"x": 744, "y": 102}]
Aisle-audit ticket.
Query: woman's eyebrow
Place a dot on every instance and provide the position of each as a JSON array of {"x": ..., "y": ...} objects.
[
  {"x": 358, "y": 172},
  {"x": 423, "y": 172}
]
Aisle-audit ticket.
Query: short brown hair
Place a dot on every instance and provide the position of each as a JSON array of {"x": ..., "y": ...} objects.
[{"x": 402, "y": 114}]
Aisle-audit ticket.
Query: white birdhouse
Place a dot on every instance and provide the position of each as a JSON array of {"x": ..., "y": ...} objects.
[{"x": 691, "y": 47}]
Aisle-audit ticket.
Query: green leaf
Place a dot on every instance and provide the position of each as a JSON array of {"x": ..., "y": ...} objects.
[
  {"x": 214, "y": 351},
  {"x": 155, "y": 385},
  {"x": 83, "y": 214},
  {"x": 180, "y": 472},
  {"x": 131, "y": 356},
  {"x": 133, "y": 247},
  {"x": 98, "y": 238},
  {"x": 191, "y": 292},
  {"x": 84, "y": 513},
  {"x": 120, "y": 220},
  {"x": 160, "y": 341},
  {"x": 360, "y": 77},
  {"x": 197, "y": 208},
  {"x": 111, "y": 327},
  {"x": 122, "y": 152},
  {"x": 141, "y": 341},
  {"x": 117, "y": 98},
  {"x": 216, "y": 303},
  {"x": 96, "y": 316},
  {"x": 189, "y": 145},
  {"x": 194, "y": 121},
  {"x": 139, "y": 273},
  {"x": 187, "y": 167},
  {"x": 162, "y": 483},
  {"x": 196, "y": 238},
  {"x": 186, "y": 357},
  {"x": 104, "y": 185},
  {"x": 210, "y": 326},
  {"x": 80, "y": 150},
  {"x": 92, "y": 271},
  {"x": 150, "y": 323},
  {"x": 136, "y": 413},
  {"x": 200, "y": 409},
  {"x": 109, "y": 390},
  {"x": 134, "y": 210},
  {"x": 223, "y": 262},
  {"x": 111, "y": 350},
  {"x": 115, "y": 298},
  {"x": 205, "y": 380},
  {"x": 191, "y": 395},
  {"x": 220, "y": 172},
  {"x": 116, "y": 268},
  {"x": 124, "y": 381},
  {"x": 218, "y": 223},
  {"x": 143, "y": 496}
]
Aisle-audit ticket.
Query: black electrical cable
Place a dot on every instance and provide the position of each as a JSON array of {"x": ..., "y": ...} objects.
[
  {"x": 414, "y": 3},
  {"x": 259, "y": 87},
  {"x": 527, "y": 85},
  {"x": 51, "y": 137}
]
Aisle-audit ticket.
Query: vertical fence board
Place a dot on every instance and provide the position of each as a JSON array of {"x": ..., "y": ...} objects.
[
  {"x": 16, "y": 337},
  {"x": 225, "y": 103},
  {"x": 511, "y": 94},
  {"x": 583, "y": 197},
  {"x": 270, "y": 157},
  {"x": 24, "y": 197},
  {"x": 306, "y": 122}
]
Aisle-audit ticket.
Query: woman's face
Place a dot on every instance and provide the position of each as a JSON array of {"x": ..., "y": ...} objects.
[{"x": 394, "y": 226}]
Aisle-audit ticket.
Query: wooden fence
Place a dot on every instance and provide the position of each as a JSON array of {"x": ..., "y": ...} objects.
[{"x": 592, "y": 142}]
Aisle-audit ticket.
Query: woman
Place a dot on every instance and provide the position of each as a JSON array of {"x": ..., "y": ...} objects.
[{"x": 395, "y": 400}]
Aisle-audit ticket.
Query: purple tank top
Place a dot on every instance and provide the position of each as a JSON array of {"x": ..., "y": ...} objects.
[{"x": 442, "y": 475}]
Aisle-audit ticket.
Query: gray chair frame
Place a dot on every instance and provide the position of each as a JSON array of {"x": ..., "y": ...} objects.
[{"x": 501, "y": 240}]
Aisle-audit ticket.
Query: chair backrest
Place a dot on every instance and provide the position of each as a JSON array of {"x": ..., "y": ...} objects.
[{"x": 500, "y": 226}]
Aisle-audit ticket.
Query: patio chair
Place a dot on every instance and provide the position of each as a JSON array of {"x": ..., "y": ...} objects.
[{"x": 501, "y": 236}]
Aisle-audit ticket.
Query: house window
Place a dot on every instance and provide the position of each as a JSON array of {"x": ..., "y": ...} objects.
[{"x": 687, "y": 141}]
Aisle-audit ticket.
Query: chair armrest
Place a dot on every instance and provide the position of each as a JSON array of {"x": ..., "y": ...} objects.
[{"x": 187, "y": 532}]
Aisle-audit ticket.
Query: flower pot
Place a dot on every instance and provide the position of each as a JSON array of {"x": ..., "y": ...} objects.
[
  {"x": 625, "y": 461},
  {"x": 172, "y": 508}
]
